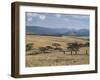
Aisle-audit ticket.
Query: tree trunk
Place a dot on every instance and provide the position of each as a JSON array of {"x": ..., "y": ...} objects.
[
  {"x": 56, "y": 47},
  {"x": 71, "y": 52},
  {"x": 75, "y": 52},
  {"x": 64, "y": 52},
  {"x": 86, "y": 52}
]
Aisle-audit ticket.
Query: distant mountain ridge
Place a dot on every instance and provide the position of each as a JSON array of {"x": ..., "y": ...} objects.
[{"x": 55, "y": 31}]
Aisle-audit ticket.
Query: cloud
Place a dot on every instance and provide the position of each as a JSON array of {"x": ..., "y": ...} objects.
[
  {"x": 29, "y": 19},
  {"x": 32, "y": 14},
  {"x": 35, "y": 14},
  {"x": 29, "y": 14},
  {"x": 42, "y": 17},
  {"x": 58, "y": 15},
  {"x": 57, "y": 20},
  {"x": 80, "y": 16},
  {"x": 66, "y": 19}
]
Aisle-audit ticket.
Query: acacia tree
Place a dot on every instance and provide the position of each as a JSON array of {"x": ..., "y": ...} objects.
[
  {"x": 87, "y": 44},
  {"x": 76, "y": 47},
  {"x": 42, "y": 49},
  {"x": 29, "y": 46},
  {"x": 49, "y": 47},
  {"x": 73, "y": 47},
  {"x": 70, "y": 48},
  {"x": 56, "y": 45}
]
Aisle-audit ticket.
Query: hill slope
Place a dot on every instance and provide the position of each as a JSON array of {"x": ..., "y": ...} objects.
[{"x": 56, "y": 31}]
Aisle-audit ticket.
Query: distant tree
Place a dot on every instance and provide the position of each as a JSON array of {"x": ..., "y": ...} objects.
[
  {"x": 63, "y": 51},
  {"x": 87, "y": 44},
  {"x": 76, "y": 47},
  {"x": 81, "y": 45},
  {"x": 70, "y": 48},
  {"x": 86, "y": 52},
  {"x": 73, "y": 47},
  {"x": 49, "y": 47},
  {"x": 60, "y": 49},
  {"x": 56, "y": 45},
  {"x": 29, "y": 46},
  {"x": 84, "y": 45},
  {"x": 42, "y": 49}
]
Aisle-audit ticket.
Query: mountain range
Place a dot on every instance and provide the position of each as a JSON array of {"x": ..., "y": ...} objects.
[{"x": 56, "y": 31}]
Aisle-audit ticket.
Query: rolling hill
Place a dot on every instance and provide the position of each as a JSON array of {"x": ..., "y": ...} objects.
[{"x": 55, "y": 31}]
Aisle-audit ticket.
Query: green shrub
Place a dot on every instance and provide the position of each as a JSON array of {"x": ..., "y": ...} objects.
[{"x": 29, "y": 46}]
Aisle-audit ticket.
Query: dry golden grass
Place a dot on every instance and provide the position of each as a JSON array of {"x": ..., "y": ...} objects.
[
  {"x": 42, "y": 41},
  {"x": 55, "y": 58}
]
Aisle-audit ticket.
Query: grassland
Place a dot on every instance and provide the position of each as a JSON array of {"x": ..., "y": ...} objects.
[{"x": 55, "y": 58}]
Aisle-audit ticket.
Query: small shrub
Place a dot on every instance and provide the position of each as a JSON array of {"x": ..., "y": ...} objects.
[
  {"x": 49, "y": 47},
  {"x": 56, "y": 45},
  {"x": 42, "y": 49},
  {"x": 29, "y": 46}
]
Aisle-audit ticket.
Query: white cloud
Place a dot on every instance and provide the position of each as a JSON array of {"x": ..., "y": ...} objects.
[
  {"x": 35, "y": 14},
  {"x": 32, "y": 14},
  {"x": 42, "y": 17},
  {"x": 80, "y": 16},
  {"x": 58, "y": 15},
  {"x": 66, "y": 19},
  {"x": 29, "y": 19},
  {"x": 29, "y": 14}
]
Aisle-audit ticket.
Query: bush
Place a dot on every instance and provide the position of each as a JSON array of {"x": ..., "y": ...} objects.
[
  {"x": 42, "y": 49},
  {"x": 73, "y": 47},
  {"x": 56, "y": 45},
  {"x": 29, "y": 46}
]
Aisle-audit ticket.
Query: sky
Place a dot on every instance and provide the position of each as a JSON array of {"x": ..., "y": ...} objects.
[{"x": 57, "y": 20}]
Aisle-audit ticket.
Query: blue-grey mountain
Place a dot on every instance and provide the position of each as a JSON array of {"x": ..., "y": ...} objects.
[{"x": 55, "y": 31}]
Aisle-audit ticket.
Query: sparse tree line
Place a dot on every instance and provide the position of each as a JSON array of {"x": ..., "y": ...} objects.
[{"x": 70, "y": 47}]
